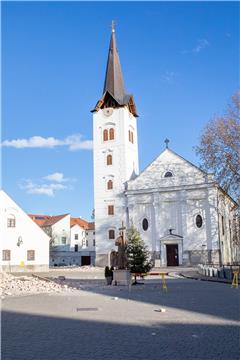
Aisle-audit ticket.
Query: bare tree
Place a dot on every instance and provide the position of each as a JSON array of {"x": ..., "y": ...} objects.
[{"x": 219, "y": 148}]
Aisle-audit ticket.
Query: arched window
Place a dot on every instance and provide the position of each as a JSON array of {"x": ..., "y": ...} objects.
[
  {"x": 145, "y": 224},
  {"x": 168, "y": 174},
  {"x": 109, "y": 184},
  {"x": 109, "y": 159},
  {"x": 11, "y": 221},
  {"x": 199, "y": 221},
  {"x": 111, "y": 134},
  {"x": 132, "y": 137},
  {"x": 105, "y": 135},
  {"x": 111, "y": 234}
]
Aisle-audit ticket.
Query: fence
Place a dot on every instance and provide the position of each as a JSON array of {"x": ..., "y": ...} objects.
[{"x": 222, "y": 272}]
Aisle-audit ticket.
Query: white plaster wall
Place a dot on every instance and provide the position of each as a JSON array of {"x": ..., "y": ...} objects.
[
  {"x": 90, "y": 236},
  {"x": 77, "y": 229},
  {"x": 175, "y": 203},
  {"x": 61, "y": 229},
  {"x": 33, "y": 237},
  {"x": 125, "y": 165}
]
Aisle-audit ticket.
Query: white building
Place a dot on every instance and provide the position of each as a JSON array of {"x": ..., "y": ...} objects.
[
  {"x": 72, "y": 240},
  {"x": 182, "y": 214},
  {"x": 24, "y": 246}
]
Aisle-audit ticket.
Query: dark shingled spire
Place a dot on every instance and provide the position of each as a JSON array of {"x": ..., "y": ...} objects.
[
  {"x": 113, "y": 92},
  {"x": 113, "y": 79}
]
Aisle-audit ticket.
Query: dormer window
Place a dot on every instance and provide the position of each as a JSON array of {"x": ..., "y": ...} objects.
[{"x": 168, "y": 174}]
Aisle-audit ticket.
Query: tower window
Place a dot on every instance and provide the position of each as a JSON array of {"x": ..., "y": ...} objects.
[
  {"x": 105, "y": 135},
  {"x": 109, "y": 184},
  {"x": 110, "y": 210},
  {"x": 111, "y": 234},
  {"x": 168, "y": 174},
  {"x": 111, "y": 134},
  {"x": 199, "y": 221},
  {"x": 130, "y": 136},
  {"x": 109, "y": 159}
]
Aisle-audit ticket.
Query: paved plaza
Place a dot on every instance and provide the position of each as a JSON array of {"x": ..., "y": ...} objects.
[{"x": 200, "y": 322}]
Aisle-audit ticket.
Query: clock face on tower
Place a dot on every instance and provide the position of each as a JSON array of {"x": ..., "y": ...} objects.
[{"x": 107, "y": 111}]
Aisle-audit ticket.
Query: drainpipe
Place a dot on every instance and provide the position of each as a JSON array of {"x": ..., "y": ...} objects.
[{"x": 219, "y": 241}]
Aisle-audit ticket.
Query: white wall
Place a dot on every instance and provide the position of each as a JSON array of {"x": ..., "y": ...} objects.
[
  {"x": 125, "y": 165},
  {"x": 59, "y": 230},
  {"x": 81, "y": 233},
  {"x": 33, "y": 237}
]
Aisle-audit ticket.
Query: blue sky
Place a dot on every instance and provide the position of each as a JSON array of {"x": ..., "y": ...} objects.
[{"x": 179, "y": 59}]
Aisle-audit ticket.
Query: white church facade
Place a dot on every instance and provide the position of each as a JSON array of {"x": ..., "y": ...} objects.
[{"x": 180, "y": 211}]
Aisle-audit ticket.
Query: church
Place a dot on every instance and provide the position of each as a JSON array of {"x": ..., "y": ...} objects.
[{"x": 182, "y": 214}]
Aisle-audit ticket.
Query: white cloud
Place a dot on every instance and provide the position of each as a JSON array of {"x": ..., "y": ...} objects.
[
  {"x": 201, "y": 45},
  {"x": 58, "y": 177},
  {"x": 73, "y": 142},
  {"x": 49, "y": 188}
]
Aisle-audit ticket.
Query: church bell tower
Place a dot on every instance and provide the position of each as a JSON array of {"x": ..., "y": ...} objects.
[{"x": 115, "y": 153}]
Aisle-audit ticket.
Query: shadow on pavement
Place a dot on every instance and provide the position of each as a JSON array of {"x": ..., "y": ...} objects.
[
  {"x": 191, "y": 295},
  {"x": 27, "y": 337}
]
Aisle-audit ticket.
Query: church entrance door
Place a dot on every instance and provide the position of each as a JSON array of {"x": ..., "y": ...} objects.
[{"x": 172, "y": 255}]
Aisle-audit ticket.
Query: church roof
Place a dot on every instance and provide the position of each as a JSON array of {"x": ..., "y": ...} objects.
[
  {"x": 114, "y": 84},
  {"x": 169, "y": 170}
]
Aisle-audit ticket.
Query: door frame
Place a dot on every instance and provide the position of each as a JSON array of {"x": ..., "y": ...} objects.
[{"x": 171, "y": 240}]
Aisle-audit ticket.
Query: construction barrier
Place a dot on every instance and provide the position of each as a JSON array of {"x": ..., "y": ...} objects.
[
  {"x": 162, "y": 274},
  {"x": 235, "y": 280}
]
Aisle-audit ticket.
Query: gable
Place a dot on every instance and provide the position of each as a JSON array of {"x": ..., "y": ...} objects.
[
  {"x": 9, "y": 206},
  {"x": 183, "y": 173}
]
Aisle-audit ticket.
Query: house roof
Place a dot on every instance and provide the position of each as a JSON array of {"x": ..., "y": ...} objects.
[
  {"x": 91, "y": 226},
  {"x": 39, "y": 219},
  {"x": 78, "y": 221},
  {"x": 82, "y": 223},
  {"x": 46, "y": 220}
]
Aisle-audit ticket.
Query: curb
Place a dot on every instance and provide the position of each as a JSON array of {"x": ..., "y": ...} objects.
[{"x": 224, "y": 281}]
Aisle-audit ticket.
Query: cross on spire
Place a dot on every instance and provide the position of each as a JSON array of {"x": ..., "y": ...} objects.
[
  {"x": 113, "y": 26},
  {"x": 166, "y": 142}
]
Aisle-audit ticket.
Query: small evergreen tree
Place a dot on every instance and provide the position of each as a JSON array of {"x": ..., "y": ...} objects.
[{"x": 137, "y": 253}]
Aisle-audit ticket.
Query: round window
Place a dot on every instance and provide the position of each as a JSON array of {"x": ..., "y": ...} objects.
[
  {"x": 168, "y": 174},
  {"x": 145, "y": 224},
  {"x": 199, "y": 221}
]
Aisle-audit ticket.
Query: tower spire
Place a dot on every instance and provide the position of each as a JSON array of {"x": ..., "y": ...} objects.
[
  {"x": 113, "y": 79},
  {"x": 114, "y": 94}
]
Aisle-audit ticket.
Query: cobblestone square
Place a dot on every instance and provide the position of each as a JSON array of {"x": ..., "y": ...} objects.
[{"x": 200, "y": 322}]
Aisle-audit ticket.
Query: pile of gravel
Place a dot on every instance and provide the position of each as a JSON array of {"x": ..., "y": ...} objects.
[{"x": 22, "y": 285}]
